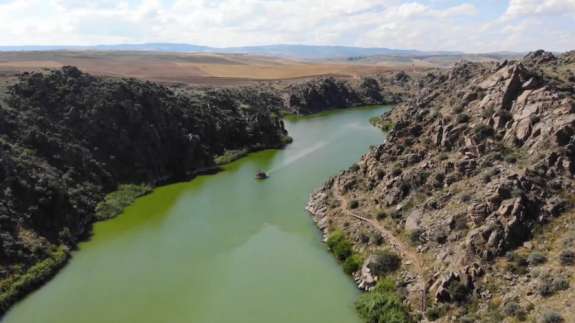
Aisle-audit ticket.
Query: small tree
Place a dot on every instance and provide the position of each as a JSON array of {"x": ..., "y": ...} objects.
[
  {"x": 385, "y": 262},
  {"x": 567, "y": 258}
]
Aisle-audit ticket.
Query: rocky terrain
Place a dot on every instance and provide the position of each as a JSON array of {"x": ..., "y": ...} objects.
[
  {"x": 473, "y": 189},
  {"x": 316, "y": 95}
]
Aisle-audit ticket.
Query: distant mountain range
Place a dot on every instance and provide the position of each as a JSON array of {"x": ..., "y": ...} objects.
[{"x": 294, "y": 51}]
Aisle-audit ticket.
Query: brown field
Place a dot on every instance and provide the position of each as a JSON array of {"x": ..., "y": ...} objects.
[{"x": 190, "y": 69}]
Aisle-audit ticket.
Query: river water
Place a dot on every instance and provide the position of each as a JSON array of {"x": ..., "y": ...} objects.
[{"x": 221, "y": 248}]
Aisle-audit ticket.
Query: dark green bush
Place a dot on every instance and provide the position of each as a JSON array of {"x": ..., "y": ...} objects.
[
  {"x": 457, "y": 291},
  {"x": 483, "y": 132},
  {"x": 551, "y": 317},
  {"x": 416, "y": 237},
  {"x": 377, "y": 239},
  {"x": 385, "y": 262},
  {"x": 352, "y": 264},
  {"x": 436, "y": 312},
  {"x": 339, "y": 245},
  {"x": 567, "y": 258},
  {"x": 381, "y": 215},
  {"x": 396, "y": 171},
  {"x": 354, "y": 204},
  {"x": 513, "y": 309},
  {"x": 536, "y": 258},
  {"x": 382, "y": 305},
  {"x": 462, "y": 118},
  {"x": 549, "y": 285},
  {"x": 517, "y": 263}
]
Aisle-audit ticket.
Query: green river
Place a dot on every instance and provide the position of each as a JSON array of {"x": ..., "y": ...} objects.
[{"x": 220, "y": 248}]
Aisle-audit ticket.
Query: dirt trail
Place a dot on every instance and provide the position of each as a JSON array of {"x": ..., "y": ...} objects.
[{"x": 410, "y": 257}]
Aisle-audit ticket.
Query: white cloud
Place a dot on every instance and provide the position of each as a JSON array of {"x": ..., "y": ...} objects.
[
  {"x": 424, "y": 24},
  {"x": 523, "y": 8}
]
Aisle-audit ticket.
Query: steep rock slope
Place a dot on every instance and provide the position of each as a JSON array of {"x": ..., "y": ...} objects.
[
  {"x": 480, "y": 164},
  {"x": 322, "y": 94},
  {"x": 68, "y": 138}
]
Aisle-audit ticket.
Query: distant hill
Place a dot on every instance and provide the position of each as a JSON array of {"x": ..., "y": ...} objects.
[{"x": 294, "y": 51}]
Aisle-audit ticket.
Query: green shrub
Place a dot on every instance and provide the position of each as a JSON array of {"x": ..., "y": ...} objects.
[
  {"x": 339, "y": 245},
  {"x": 352, "y": 264},
  {"x": 11, "y": 290},
  {"x": 548, "y": 285},
  {"x": 462, "y": 118},
  {"x": 382, "y": 305},
  {"x": 354, "y": 204},
  {"x": 536, "y": 258},
  {"x": 396, "y": 171},
  {"x": 483, "y": 132},
  {"x": 436, "y": 312},
  {"x": 551, "y": 317},
  {"x": 381, "y": 215},
  {"x": 487, "y": 113},
  {"x": 457, "y": 291},
  {"x": 517, "y": 263},
  {"x": 513, "y": 309},
  {"x": 343, "y": 251},
  {"x": 385, "y": 262},
  {"x": 567, "y": 258},
  {"x": 115, "y": 202},
  {"x": 230, "y": 155},
  {"x": 377, "y": 239},
  {"x": 416, "y": 237},
  {"x": 381, "y": 123}
]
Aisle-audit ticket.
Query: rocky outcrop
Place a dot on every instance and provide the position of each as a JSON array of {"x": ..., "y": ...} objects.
[
  {"x": 475, "y": 163},
  {"x": 322, "y": 94}
]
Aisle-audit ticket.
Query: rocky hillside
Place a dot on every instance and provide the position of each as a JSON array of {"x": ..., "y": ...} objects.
[
  {"x": 474, "y": 189},
  {"x": 68, "y": 138},
  {"x": 322, "y": 94}
]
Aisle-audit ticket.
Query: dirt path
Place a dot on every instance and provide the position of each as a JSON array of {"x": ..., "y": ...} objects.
[{"x": 410, "y": 257}]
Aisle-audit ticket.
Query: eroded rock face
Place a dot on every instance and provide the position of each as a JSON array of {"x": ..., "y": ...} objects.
[
  {"x": 479, "y": 159},
  {"x": 330, "y": 93}
]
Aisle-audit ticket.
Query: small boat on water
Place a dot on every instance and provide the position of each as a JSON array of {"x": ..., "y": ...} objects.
[{"x": 261, "y": 175}]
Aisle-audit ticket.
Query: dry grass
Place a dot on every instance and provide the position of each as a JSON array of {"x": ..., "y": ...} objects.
[{"x": 197, "y": 69}]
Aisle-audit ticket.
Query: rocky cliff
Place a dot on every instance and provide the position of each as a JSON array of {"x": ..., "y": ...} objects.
[
  {"x": 322, "y": 94},
  {"x": 474, "y": 188},
  {"x": 68, "y": 138}
]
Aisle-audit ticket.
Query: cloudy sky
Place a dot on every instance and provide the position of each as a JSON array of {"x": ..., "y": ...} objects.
[{"x": 472, "y": 26}]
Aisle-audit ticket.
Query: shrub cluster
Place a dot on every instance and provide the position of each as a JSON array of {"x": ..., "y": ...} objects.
[
  {"x": 117, "y": 201},
  {"x": 385, "y": 262},
  {"x": 342, "y": 249},
  {"x": 382, "y": 305},
  {"x": 567, "y": 257},
  {"x": 517, "y": 263},
  {"x": 549, "y": 285},
  {"x": 551, "y": 317},
  {"x": 536, "y": 258}
]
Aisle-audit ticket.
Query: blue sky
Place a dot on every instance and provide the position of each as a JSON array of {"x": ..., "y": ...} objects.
[{"x": 472, "y": 26}]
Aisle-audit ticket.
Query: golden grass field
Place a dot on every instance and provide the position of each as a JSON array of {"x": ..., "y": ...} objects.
[{"x": 187, "y": 68}]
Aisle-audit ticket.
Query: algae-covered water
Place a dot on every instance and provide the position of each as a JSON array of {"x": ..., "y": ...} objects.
[{"x": 222, "y": 248}]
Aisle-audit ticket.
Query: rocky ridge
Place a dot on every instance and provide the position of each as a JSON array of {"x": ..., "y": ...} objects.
[{"x": 477, "y": 164}]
